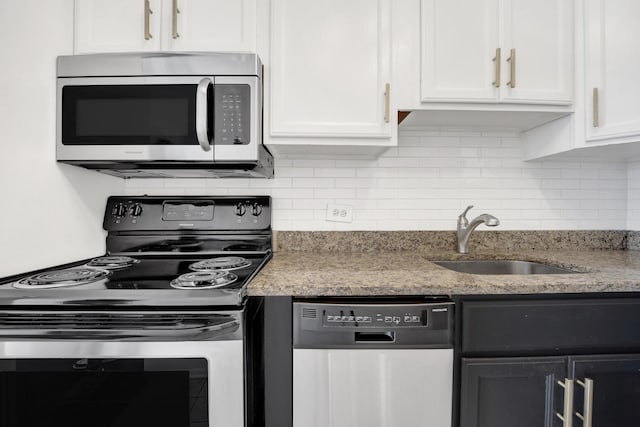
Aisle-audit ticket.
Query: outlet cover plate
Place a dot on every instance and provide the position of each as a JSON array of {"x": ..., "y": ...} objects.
[{"x": 340, "y": 213}]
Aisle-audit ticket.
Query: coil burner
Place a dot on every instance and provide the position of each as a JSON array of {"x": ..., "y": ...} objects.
[
  {"x": 226, "y": 263},
  {"x": 62, "y": 278},
  {"x": 112, "y": 262},
  {"x": 204, "y": 280}
]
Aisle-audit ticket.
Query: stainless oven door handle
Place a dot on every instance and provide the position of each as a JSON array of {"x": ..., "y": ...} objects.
[
  {"x": 123, "y": 332},
  {"x": 202, "y": 113}
]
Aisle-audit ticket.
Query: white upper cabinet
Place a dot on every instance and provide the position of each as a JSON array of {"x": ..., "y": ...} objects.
[
  {"x": 459, "y": 40},
  {"x": 612, "y": 85},
  {"x": 213, "y": 25},
  {"x": 330, "y": 70},
  {"x": 117, "y": 25},
  {"x": 538, "y": 43},
  {"x": 517, "y": 51},
  {"x": 151, "y": 25}
]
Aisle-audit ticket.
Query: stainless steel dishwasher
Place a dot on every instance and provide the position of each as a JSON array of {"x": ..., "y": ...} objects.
[{"x": 373, "y": 364}]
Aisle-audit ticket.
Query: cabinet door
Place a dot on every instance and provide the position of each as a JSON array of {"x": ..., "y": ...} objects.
[
  {"x": 116, "y": 26},
  {"x": 539, "y": 34},
  {"x": 459, "y": 40},
  {"x": 372, "y": 388},
  {"x": 612, "y": 68},
  {"x": 209, "y": 25},
  {"x": 507, "y": 392},
  {"x": 616, "y": 388},
  {"x": 330, "y": 62}
]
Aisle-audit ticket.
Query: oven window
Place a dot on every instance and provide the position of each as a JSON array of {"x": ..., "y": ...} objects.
[
  {"x": 129, "y": 115},
  {"x": 104, "y": 392}
]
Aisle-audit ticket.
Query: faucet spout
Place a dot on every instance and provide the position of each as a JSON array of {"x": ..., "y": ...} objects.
[{"x": 465, "y": 228}]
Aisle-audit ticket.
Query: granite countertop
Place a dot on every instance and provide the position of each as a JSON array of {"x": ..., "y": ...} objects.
[{"x": 307, "y": 273}]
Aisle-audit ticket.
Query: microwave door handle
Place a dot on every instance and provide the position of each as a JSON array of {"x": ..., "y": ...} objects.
[{"x": 202, "y": 113}]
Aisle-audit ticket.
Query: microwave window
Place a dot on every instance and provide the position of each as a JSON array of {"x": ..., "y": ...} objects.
[
  {"x": 129, "y": 115},
  {"x": 132, "y": 117}
]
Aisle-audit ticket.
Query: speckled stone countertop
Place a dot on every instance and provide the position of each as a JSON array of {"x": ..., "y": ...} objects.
[{"x": 411, "y": 272}]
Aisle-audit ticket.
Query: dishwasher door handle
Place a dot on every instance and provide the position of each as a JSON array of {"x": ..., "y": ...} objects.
[{"x": 369, "y": 337}]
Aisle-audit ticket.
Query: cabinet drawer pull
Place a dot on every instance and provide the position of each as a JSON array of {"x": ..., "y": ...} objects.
[
  {"x": 174, "y": 20},
  {"x": 567, "y": 411},
  {"x": 512, "y": 62},
  {"x": 387, "y": 103},
  {"x": 496, "y": 59},
  {"x": 587, "y": 415},
  {"x": 596, "y": 108},
  {"x": 147, "y": 17}
]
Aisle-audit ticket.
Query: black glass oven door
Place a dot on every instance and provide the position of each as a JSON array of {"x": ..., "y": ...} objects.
[
  {"x": 136, "y": 114},
  {"x": 104, "y": 392}
]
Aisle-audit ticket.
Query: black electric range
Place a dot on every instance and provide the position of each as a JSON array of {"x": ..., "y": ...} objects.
[{"x": 161, "y": 252}]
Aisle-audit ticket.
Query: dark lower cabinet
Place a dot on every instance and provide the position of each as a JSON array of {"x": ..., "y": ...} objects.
[
  {"x": 532, "y": 361},
  {"x": 525, "y": 391},
  {"x": 509, "y": 392},
  {"x": 615, "y": 389}
]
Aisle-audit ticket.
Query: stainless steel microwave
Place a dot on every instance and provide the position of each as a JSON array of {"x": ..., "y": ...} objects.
[{"x": 162, "y": 114}]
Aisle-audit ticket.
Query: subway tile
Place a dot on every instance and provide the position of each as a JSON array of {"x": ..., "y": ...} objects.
[
  {"x": 355, "y": 182},
  {"x": 313, "y": 182},
  {"x": 184, "y": 183},
  {"x": 313, "y": 163},
  {"x": 334, "y": 193},
  {"x": 294, "y": 172},
  {"x": 398, "y": 162},
  {"x": 440, "y": 141},
  {"x": 270, "y": 183},
  {"x": 376, "y": 172},
  {"x": 334, "y": 172},
  {"x": 480, "y": 141}
]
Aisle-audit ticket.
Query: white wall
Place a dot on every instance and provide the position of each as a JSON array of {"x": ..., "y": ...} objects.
[
  {"x": 633, "y": 215},
  {"x": 49, "y": 213},
  {"x": 427, "y": 181}
]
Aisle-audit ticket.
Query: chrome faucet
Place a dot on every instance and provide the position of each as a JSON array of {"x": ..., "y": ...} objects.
[{"x": 465, "y": 228}]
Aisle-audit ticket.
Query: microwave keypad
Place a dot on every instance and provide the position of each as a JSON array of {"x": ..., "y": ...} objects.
[{"x": 232, "y": 114}]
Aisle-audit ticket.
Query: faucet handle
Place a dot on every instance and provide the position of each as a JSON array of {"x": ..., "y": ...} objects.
[
  {"x": 464, "y": 214},
  {"x": 462, "y": 218}
]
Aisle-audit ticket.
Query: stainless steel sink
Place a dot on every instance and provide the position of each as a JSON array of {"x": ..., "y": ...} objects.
[{"x": 501, "y": 267}]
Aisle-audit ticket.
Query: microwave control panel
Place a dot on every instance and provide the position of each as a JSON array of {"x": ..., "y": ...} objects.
[{"x": 232, "y": 114}]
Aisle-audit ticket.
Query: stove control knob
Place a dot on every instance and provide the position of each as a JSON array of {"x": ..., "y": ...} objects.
[
  {"x": 256, "y": 209},
  {"x": 119, "y": 210},
  {"x": 241, "y": 209},
  {"x": 136, "y": 210}
]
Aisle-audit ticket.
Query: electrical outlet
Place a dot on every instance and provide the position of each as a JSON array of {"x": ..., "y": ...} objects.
[{"x": 340, "y": 213}]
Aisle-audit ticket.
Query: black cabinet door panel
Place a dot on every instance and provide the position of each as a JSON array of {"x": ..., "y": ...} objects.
[
  {"x": 616, "y": 388},
  {"x": 508, "y": 392}
]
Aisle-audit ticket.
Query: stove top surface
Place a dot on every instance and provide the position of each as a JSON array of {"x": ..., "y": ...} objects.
[
  {"x": 203, "y": 280},
  {"x": 163, "y": 251}
]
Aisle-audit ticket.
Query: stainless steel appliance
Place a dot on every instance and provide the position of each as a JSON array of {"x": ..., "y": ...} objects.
[
  {"x": 152, "y": 333},
  {"x": 373, "y": 364},
  {"x": 162, "y": 114}
]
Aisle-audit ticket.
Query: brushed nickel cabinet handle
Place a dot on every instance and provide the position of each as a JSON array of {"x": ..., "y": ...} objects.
[
  {"x": 387, "y": 102},
  {"x": 496, "y": 59},
  {"x": 567, "y": 412},
  {"x": 174, "y": 20},
  {"x": 596, "y": 108},
  {"x": 147, "y": 16},
  {"x": 587, "y": 414},
  {"x": 512, "y": 62}
]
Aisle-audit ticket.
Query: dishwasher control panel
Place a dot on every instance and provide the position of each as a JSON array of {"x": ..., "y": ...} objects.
[
  {"x": 372, "y": 324},
  {"x": 402, "y": 316}
]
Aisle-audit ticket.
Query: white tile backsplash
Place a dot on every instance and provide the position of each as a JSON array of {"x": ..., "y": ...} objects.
[
  {"x": 633, "y": 196},
  {"x": 429, "y": 178}
]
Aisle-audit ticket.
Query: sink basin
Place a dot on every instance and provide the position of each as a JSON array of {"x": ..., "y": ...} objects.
[{"x": 501, "y": 267}]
